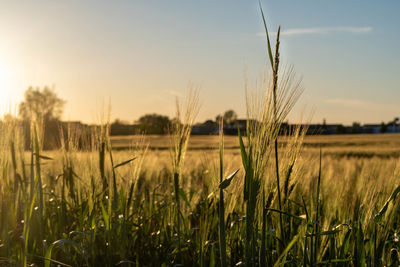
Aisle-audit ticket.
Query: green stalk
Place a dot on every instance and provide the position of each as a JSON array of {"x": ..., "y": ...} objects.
[
  {"x": 250, "y": 220},
  {"x": 27, "y": 217},
  {"x": 305, "y": 252},
  {"x": 263, "y": 262},
  {"x": 63, "y": 204},
  {"x": 376, "y": 260},
  {"x": 14, "y": 165},
  {"x": 180, "y": 138},
  {"x": 249, "y": 234},
  {"x": 275, "y": 87},
  {"x": 32, "y": 180},
  {"x": 178, "y": 208},
  {"x": 101, "y": 165},
  {"x": 40, "y": 184},
  {"x": 24, "y": 175},
  {"x": 312, "y": 249},
  {"x": 222, "y": 240},
  {"x": 177, "y": 188},
  {"x": 317, "y": 205},
  {"x": 275, "y": 66},
  {"x": 115, "y": 190},
  {"x": 177, "y": 200},
  {"x": 17, "y": 180}
]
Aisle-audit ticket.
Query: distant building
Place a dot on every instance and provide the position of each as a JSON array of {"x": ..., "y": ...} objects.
[
  {"x": 312, "y": 129},
  {"x": 233, "y": 129},
  {"x": 393, "y": 126},
  {"x": 209, "y": 127},
  {"x": 331, "y": 128},
  {"x": 372, "y": 128},
  {"x": 393, "y": 129}
]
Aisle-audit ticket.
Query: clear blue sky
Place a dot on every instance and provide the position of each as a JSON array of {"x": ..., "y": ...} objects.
[{"x": 140, "y": 54}]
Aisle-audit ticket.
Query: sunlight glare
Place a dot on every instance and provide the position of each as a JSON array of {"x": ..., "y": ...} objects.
[{"x": 6, "y": 90}]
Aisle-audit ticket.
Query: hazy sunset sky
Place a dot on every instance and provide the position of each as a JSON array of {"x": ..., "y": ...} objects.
[{"x": 141, "y": 54}]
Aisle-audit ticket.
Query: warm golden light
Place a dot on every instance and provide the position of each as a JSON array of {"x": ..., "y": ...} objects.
[{"x": 7, "y": 92}]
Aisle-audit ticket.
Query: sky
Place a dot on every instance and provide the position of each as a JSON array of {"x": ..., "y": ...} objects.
[{"x": 139, "y": 55}]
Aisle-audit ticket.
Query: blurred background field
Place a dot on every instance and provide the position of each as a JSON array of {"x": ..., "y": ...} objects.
[{"x": 351, "y": 145}]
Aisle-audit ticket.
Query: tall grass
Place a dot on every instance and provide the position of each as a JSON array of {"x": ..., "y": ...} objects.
[
  {"x": 356, "y": 219},
  {"x": 266, "y": 111},
  {"x": 184, "y": 119},
  {"x": 221, "y": 206},
  {"x": 88, "y": 204}
]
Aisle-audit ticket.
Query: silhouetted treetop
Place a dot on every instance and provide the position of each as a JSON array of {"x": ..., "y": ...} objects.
[
  {"x": 229, "y": 117},
  {"x": 41, "y": 103},
  {"x": 154, "y": 124}
]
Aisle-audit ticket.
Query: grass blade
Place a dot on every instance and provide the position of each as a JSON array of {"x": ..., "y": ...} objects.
[
  {"x": 268, "y": 42},
  {"x": 60, "y": 243},
  {"x": 381, "y": 213},
  {"x": 227, "y": 181},
  {"x": 124, "y": 163}
]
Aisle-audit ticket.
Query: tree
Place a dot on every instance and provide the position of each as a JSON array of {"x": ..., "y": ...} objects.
[
  {"x": 340, "y": 129},
  {"x": 119, "y": 127},
  {"x": 229, "y": 117},
  {"x": 154, "y": 124},
  {"x": 383, "y": 128},
  {"x": 356, "y": 127},
  {"x": 44, "y": 106},
  {"x": 41, "y": 104}
]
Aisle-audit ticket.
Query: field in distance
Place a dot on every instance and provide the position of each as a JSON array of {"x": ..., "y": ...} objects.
[{"x": 354, "y": 145}]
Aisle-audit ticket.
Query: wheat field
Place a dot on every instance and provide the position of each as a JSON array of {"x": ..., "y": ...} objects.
[
  {"x": 74, "y": 219},
  {"x": 263, "y": 199}
]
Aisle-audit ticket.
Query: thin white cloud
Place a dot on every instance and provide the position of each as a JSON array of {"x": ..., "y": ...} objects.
[
  {"x": 326, "y": 30},
  {"x": 323, "y": 30},
  {"x": 361, "y": 104}
]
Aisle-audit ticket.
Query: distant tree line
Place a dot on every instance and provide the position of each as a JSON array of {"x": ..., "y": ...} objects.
[
  {"x": 46, "y": 108},
  {"x": 42, "y": 107},
  {"x": 119, "y": 127},
  {"x": 147, "y": 124},
  {"x": 160, "y": 124},
  {"x": 229, "y": 117}
]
